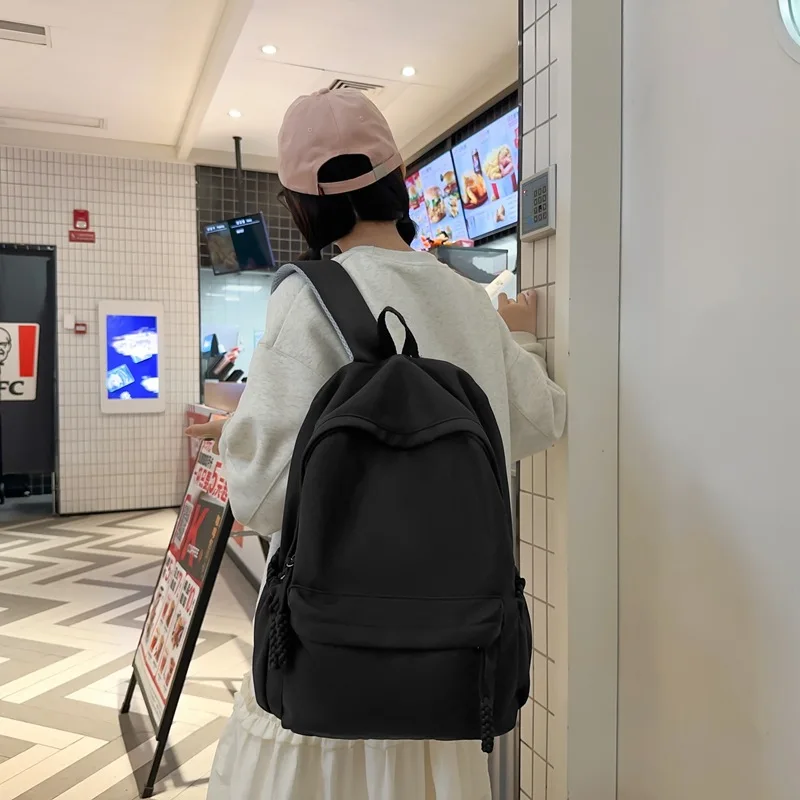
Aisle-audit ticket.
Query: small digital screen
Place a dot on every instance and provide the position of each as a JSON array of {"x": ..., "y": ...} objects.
[
  {"x": 131, "y": 357},
  {"x": 208, "y": 342},
  {"x": 488, "y": 167},
  {"x": 220, "y": 248},
  {"x": 239, "y": 244}
]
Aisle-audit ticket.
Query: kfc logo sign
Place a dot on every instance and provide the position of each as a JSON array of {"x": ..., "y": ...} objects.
[{"x": 19, "y": 360}]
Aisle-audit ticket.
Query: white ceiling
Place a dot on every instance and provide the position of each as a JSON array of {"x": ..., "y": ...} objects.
[{"x": 163, "y": 74}]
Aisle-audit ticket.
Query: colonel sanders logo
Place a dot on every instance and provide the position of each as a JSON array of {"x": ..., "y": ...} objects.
[
  {"x": 19, "y": 361},
  {"x": 5, "y": 345}
]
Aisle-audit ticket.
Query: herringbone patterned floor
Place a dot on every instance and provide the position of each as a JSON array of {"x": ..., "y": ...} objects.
[{"x": 73, "y": 594}]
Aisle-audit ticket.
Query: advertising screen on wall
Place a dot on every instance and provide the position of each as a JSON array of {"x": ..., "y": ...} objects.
[
  {"x": 131, "y": 336},
  {"x": 487, "y": 165},
  {"x": 435, "y": 203}
]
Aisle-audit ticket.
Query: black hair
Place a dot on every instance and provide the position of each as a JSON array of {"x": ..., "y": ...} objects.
[{"x": 324, "y": 219}]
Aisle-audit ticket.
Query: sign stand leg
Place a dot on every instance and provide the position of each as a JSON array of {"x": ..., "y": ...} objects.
[
  {"x": 126, "y": 703},
  {"x": 161, "y": 741},
  {"x": 161, "y": 744}
]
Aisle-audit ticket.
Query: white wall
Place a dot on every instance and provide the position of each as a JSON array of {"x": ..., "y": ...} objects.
[
  {"x": 144, "y": 215},
  {"x": 571, "y": 69},
  {"x": 710, "y": 429}
]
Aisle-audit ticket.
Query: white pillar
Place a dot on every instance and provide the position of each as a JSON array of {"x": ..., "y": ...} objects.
[{"x": 571, "y": 117}]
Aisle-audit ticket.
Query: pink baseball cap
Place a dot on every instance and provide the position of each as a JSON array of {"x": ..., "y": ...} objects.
[{"x": 327, "y": 124}]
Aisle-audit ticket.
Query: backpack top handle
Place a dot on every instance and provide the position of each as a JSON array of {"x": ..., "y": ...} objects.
[
  {"x": 388, "y": 346},
  {"x": 342, "y": 303}
]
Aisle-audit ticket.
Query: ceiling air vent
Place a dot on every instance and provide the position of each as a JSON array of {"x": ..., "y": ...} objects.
[
  {"x": 372, "y": 90},
  {"x": 25, "y": 116},
  {"x": 21, "y": 32}
]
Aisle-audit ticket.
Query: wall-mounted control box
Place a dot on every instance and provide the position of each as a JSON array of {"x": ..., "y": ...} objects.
[{"x": 537, "y": 218}]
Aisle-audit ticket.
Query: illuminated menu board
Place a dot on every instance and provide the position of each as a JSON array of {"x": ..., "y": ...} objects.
[{"x": 488, "y": 175}]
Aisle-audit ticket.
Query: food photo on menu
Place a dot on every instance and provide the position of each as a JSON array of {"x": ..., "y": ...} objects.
[
  {"x": 487, "y": 165},
  {"x": 168, "y": 622},
  {"x": 418, "y": 212}
]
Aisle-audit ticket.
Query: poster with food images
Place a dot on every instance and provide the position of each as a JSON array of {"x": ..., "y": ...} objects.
[
  {"x": 202, "y": 526},
  {"x": 487, "y": 165}
]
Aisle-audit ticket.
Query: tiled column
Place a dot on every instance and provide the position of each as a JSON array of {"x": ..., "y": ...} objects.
[
  {"x": 571, "y": 81},
  {"x": 538, "y": 270}
]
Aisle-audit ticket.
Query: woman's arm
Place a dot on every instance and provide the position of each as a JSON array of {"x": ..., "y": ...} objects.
[
  {"x": 298, "y": 354},
  {"x": 538, "y": 406}
]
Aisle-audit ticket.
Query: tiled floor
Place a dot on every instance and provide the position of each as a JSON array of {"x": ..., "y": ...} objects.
[{"x": 73, "y": 594}]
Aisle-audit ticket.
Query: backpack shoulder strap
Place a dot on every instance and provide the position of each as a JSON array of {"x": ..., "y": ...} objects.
[{"x": 342, "y": 303}]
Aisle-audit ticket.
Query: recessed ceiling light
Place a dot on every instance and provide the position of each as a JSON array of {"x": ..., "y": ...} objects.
[
  {"x": 235, "y": 113},
  {"x": 409, "y": 72},
  {"x": 269, "y": 49}
]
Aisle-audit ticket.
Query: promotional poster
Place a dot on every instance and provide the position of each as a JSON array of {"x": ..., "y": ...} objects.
[{"x": 197, "y": 534}]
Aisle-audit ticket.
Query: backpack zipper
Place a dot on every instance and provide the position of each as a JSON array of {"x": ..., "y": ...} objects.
[
  {"x": 488, "y": 673},
  {"x": 278, "y": 635}
]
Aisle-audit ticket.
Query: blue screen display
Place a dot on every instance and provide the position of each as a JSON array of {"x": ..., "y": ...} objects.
[{"x": 131, "y": 357}]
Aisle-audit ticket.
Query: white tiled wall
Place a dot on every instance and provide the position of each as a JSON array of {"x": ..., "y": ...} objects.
[
  {"x": 143, "y": 213},
  {"x": 540, "y": 555}
]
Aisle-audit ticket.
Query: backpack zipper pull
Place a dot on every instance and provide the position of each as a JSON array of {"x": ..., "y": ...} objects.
[{"x": 286, "y": 569}]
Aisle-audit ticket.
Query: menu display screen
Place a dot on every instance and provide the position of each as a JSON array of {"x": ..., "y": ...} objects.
[
  {"x": 487, "y": 165},
  {"x": 417, "y": 212},
  {"x": 435, "y": 203},
  {"x": 238, "y": 244}
]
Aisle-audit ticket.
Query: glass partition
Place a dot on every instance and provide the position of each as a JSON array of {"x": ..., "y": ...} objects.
[{"x": 233, "y": 311}]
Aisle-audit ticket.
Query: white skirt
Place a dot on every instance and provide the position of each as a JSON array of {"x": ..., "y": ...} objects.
[{"x": 258, "y": 760}]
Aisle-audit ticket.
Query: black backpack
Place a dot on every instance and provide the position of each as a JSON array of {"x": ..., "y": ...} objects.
[{"x": 393, "y": 608}]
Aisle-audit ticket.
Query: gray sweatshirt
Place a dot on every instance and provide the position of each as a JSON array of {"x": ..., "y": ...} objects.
[{"x": 452, "y": 320}]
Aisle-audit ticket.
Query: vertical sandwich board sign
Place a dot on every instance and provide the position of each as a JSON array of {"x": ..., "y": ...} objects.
[{"x": 180, "y": 599}]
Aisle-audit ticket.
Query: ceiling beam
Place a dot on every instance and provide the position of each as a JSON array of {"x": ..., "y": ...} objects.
[{"x": 229, "y": 28}]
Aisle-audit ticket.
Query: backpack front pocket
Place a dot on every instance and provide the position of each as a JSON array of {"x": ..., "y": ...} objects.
[{"x": 388, "y": 668}]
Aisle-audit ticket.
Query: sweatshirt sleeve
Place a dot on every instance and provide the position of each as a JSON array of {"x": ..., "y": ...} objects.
[
  {"x": 297, "y": 355},
  {"x": 537, "y": 405}
]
